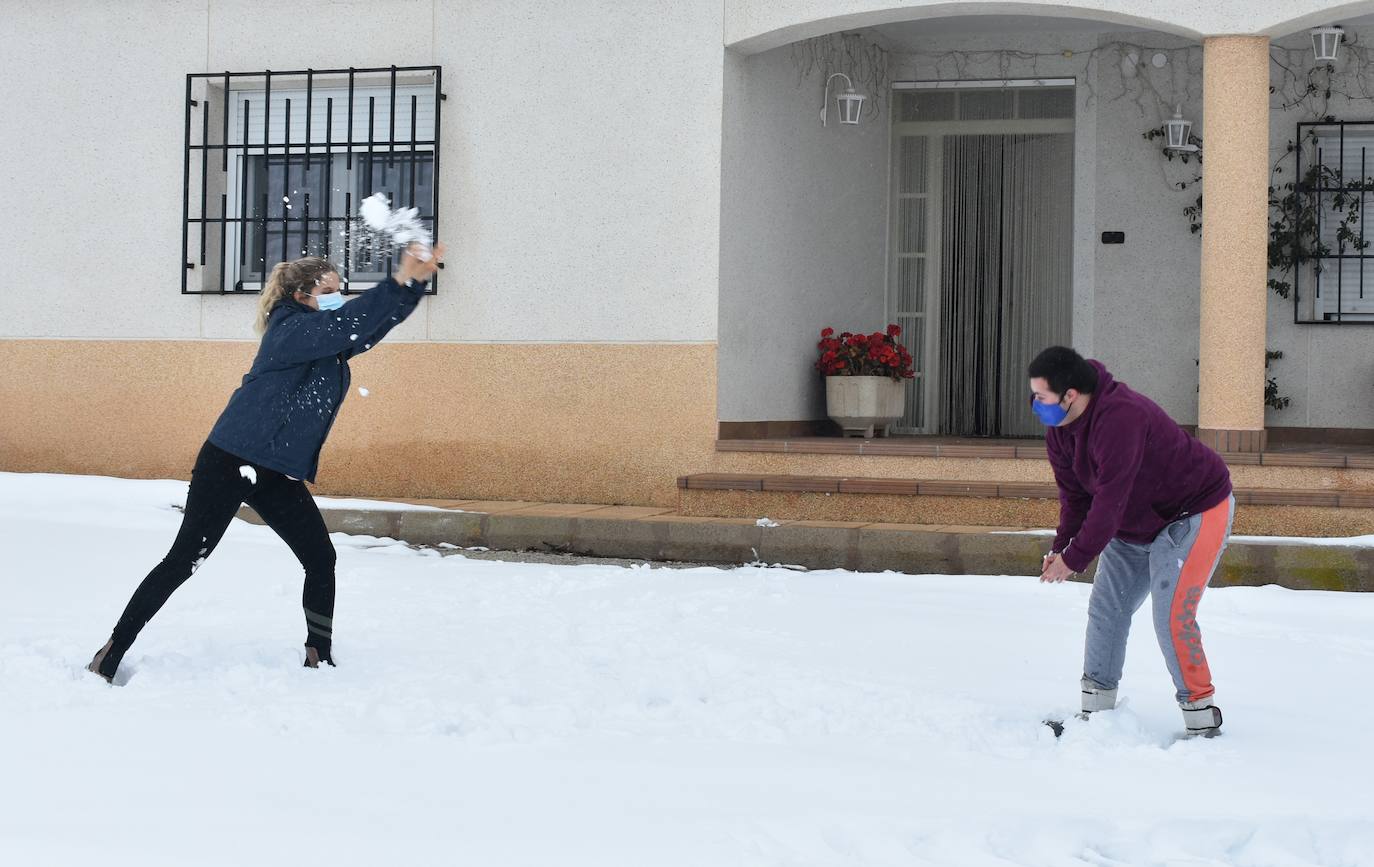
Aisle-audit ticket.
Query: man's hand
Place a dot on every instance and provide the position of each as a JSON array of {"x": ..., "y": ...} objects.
[{"x": 1053, "y": 570}]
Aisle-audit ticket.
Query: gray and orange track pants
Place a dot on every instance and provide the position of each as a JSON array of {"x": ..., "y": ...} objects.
[{"x": 1173, "y": 571}]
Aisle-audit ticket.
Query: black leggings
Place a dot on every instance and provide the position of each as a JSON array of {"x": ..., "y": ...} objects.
[{"x": 221, "y": 482}]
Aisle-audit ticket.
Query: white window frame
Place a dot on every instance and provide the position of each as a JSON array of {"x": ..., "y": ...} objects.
[{"x": 338, "y": 147}]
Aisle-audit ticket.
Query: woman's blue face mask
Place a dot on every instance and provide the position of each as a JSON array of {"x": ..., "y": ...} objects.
[
  {"x": 330, "y": 300},
  {"x": 1051, "y": 414}
]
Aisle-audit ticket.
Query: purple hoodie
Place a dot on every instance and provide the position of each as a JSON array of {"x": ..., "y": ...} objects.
[{"x": 1126, "y": 470}]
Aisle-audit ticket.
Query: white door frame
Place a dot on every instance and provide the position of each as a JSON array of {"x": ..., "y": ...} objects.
[{"x": 934, "y": 132}]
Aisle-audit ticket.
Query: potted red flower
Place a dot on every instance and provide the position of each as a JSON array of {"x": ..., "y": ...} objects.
[{"x": 864, "y": 379}]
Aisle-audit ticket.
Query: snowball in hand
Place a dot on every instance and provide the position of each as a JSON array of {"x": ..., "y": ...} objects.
[{"x": 400, "y": 227}]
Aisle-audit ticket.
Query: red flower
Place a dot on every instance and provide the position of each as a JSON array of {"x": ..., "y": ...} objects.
[{"x": 858, "y": 354}]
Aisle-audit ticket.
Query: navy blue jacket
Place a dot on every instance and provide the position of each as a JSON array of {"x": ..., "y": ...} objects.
[{"x": 279, "y": 417}]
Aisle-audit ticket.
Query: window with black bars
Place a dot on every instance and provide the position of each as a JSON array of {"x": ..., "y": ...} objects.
[
  {"x": 1333, "y": 276},
  {"x": 278, "y": 163}
]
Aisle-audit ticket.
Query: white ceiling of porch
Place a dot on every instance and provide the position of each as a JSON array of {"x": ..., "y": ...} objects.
[{"x": 913, "y": 33}]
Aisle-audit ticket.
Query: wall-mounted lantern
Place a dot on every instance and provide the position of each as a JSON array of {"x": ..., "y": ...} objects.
[
  {"x": 1326, "y": 43},
  {"x": 1178, "y": 130},
  {"x": 849, "y": 103}
]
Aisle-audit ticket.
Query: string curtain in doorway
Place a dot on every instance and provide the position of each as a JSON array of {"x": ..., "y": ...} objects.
[{"x": 1006, "y": 274}]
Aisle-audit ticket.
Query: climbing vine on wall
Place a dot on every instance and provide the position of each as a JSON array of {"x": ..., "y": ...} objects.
[
  {"x": 1296, "y": 213},
  {"x": 865, "y": 62},
  {"x": 1296, "y": 217},
  {"x": 1271, "y": 385}
]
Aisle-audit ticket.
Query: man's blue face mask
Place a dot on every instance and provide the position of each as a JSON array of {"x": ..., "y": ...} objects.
[{"x": 1051, "y": 414}]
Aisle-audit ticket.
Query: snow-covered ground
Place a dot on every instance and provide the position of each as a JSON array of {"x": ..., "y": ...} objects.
[{"x": 489, "y": 713}]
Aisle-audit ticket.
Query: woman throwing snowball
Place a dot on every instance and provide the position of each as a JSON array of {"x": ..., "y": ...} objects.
[{"x": 266, "y": 444}]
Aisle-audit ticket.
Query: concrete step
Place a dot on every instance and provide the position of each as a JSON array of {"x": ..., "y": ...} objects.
[
  {"x": 1349, "y": 499},
  {"x": 652, "y": 534},
  {"x": 1290, "y": 455},
  {"x": 1306, "y": 511}
]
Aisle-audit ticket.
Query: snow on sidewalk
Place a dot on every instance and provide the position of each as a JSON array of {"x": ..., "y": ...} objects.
[{"x": 492, "y": 713}]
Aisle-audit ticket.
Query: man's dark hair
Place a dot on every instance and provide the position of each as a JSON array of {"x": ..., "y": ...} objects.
[{"x": 1064, "y": 369}]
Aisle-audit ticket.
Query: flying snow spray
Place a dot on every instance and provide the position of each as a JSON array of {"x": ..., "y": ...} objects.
[{"x": 398, "y": 228}]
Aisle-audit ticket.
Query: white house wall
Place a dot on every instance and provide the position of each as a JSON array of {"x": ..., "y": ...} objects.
[
  {"x": 92, "y": 217},
  {"x": 803, "y": 236},
  {"x": 1137, "y": 304},
  {"x": 805, "y": 221},
  {"x": 585, "y": 155},
  {"x": 1147, "y": 290},
  {"x": 1148, "y": 297},
  {"x": 579, "y": 176},
  {"x": 1327, "y": 370}
]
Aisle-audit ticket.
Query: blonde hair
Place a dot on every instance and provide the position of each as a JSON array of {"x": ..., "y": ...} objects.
[{"x": 286, "y": 279}]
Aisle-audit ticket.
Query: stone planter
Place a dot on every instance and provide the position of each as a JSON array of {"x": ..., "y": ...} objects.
[{"x": 864, "y": 405}]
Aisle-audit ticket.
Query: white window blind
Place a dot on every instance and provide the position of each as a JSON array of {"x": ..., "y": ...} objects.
[{"x": 375, "y": 101}]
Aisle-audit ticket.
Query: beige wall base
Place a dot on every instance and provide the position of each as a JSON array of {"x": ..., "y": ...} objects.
[
  {"x": 596, "y": 423},
  {"x": 600, "y": 423}
]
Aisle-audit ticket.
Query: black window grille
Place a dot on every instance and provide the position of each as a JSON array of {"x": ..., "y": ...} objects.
[
  {"x": 1333, "y": 271},
  {"x": 278, "y": 163}
]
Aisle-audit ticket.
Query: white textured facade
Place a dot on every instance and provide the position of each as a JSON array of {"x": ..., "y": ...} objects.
[{"x": 642, "y": 188}]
